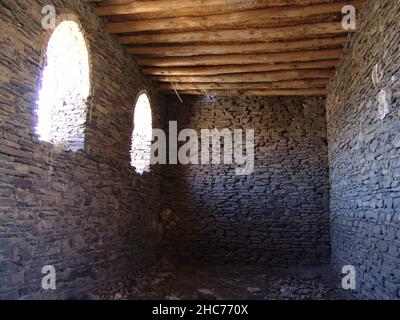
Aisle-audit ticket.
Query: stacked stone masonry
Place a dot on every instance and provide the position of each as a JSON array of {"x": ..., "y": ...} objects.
[
  {"x": 364, "y": 153},
  {"x": 325, "y": 178},
  {"x": 277, "y": 215},
  {"x": 87, "y": 213}
]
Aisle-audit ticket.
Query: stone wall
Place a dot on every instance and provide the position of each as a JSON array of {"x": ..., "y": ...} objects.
[
  {"x": 87, "y": 213},
  {"x": 276, "y": 216},
  {"x": 364, "y": 153}
]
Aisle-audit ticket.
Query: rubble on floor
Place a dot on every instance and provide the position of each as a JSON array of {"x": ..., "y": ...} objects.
[{"x": 165, "y": 282}]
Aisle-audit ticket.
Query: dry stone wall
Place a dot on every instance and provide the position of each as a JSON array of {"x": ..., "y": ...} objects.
[
  {"x": 86, "y": 213},
  {"x": 364, "y": 153},
  {"x": 276, "y": 216}
]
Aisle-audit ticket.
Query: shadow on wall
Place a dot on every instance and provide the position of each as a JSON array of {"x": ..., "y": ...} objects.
[{"x": 277, "y": 216}]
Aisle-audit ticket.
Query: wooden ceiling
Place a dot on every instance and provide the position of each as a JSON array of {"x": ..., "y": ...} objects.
[{"x": 232, "y": 47}]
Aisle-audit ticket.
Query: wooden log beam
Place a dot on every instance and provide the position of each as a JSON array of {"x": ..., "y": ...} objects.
[
  {"x": 259, "y": 92},
  {"x": 195, "y": 7},
  {"x": 241, "y": 35},
  {"x": 214, "y": 70},
  {"x": 291, "y": 84},
  {"x": 195, "y": 50},
  {"x": 253, "y": 77},
  {"x": 241, "y": 59},
  {"x": 105, "y": 3},
  {"x": 161, "y": 5},
  {"x": 226, "y": 19}
]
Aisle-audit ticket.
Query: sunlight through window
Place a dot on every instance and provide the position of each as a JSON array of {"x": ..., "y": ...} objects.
[
  {"x": 65, "y": 88},
  {"x": 142, "y": 135}
]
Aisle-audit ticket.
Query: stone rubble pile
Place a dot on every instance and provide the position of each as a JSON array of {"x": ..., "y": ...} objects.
[{"x": 139, "y": 286}]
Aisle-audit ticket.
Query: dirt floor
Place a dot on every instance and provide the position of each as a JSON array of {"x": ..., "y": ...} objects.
[{"x": 229, "y": 283}]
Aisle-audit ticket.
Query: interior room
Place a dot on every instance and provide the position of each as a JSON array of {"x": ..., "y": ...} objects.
[{"x": 200, "y": 150}]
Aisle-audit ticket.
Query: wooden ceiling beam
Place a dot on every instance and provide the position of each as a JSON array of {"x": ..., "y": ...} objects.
[
  {"x": 253, "y": 77},
  {"x": 259, "y": 92},
  {"x": 162, "y": 5},
  {"x": 195, "y": 7},
  {"x": 242, "y": 59},
  {"x": 226, "y": 19},
  {"x": 106, "y": 3},
  {"x": 195, "y": 50},
  {"x": 214, "y": 70},
  {"x": 235, "y": 47},
  {"x": 291, "y": 84},
  {"x": 241, "y": 35}
]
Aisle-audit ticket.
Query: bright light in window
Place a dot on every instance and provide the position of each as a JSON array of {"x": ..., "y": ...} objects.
[
  {"x": 142, "y": 135},
  {"x": 65, "y": 86}
]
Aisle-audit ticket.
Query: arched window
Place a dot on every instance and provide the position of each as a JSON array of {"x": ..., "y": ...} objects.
[
  {"x": 142, "y": 135},
  {"x": 65, "y": 88}
]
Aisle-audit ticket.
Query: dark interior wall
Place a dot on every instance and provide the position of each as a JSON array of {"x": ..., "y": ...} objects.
[
  {"x": 87, "y": 213},
  {"x": 276, "y": 216},
  {"x": 364, "y": 148}
]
